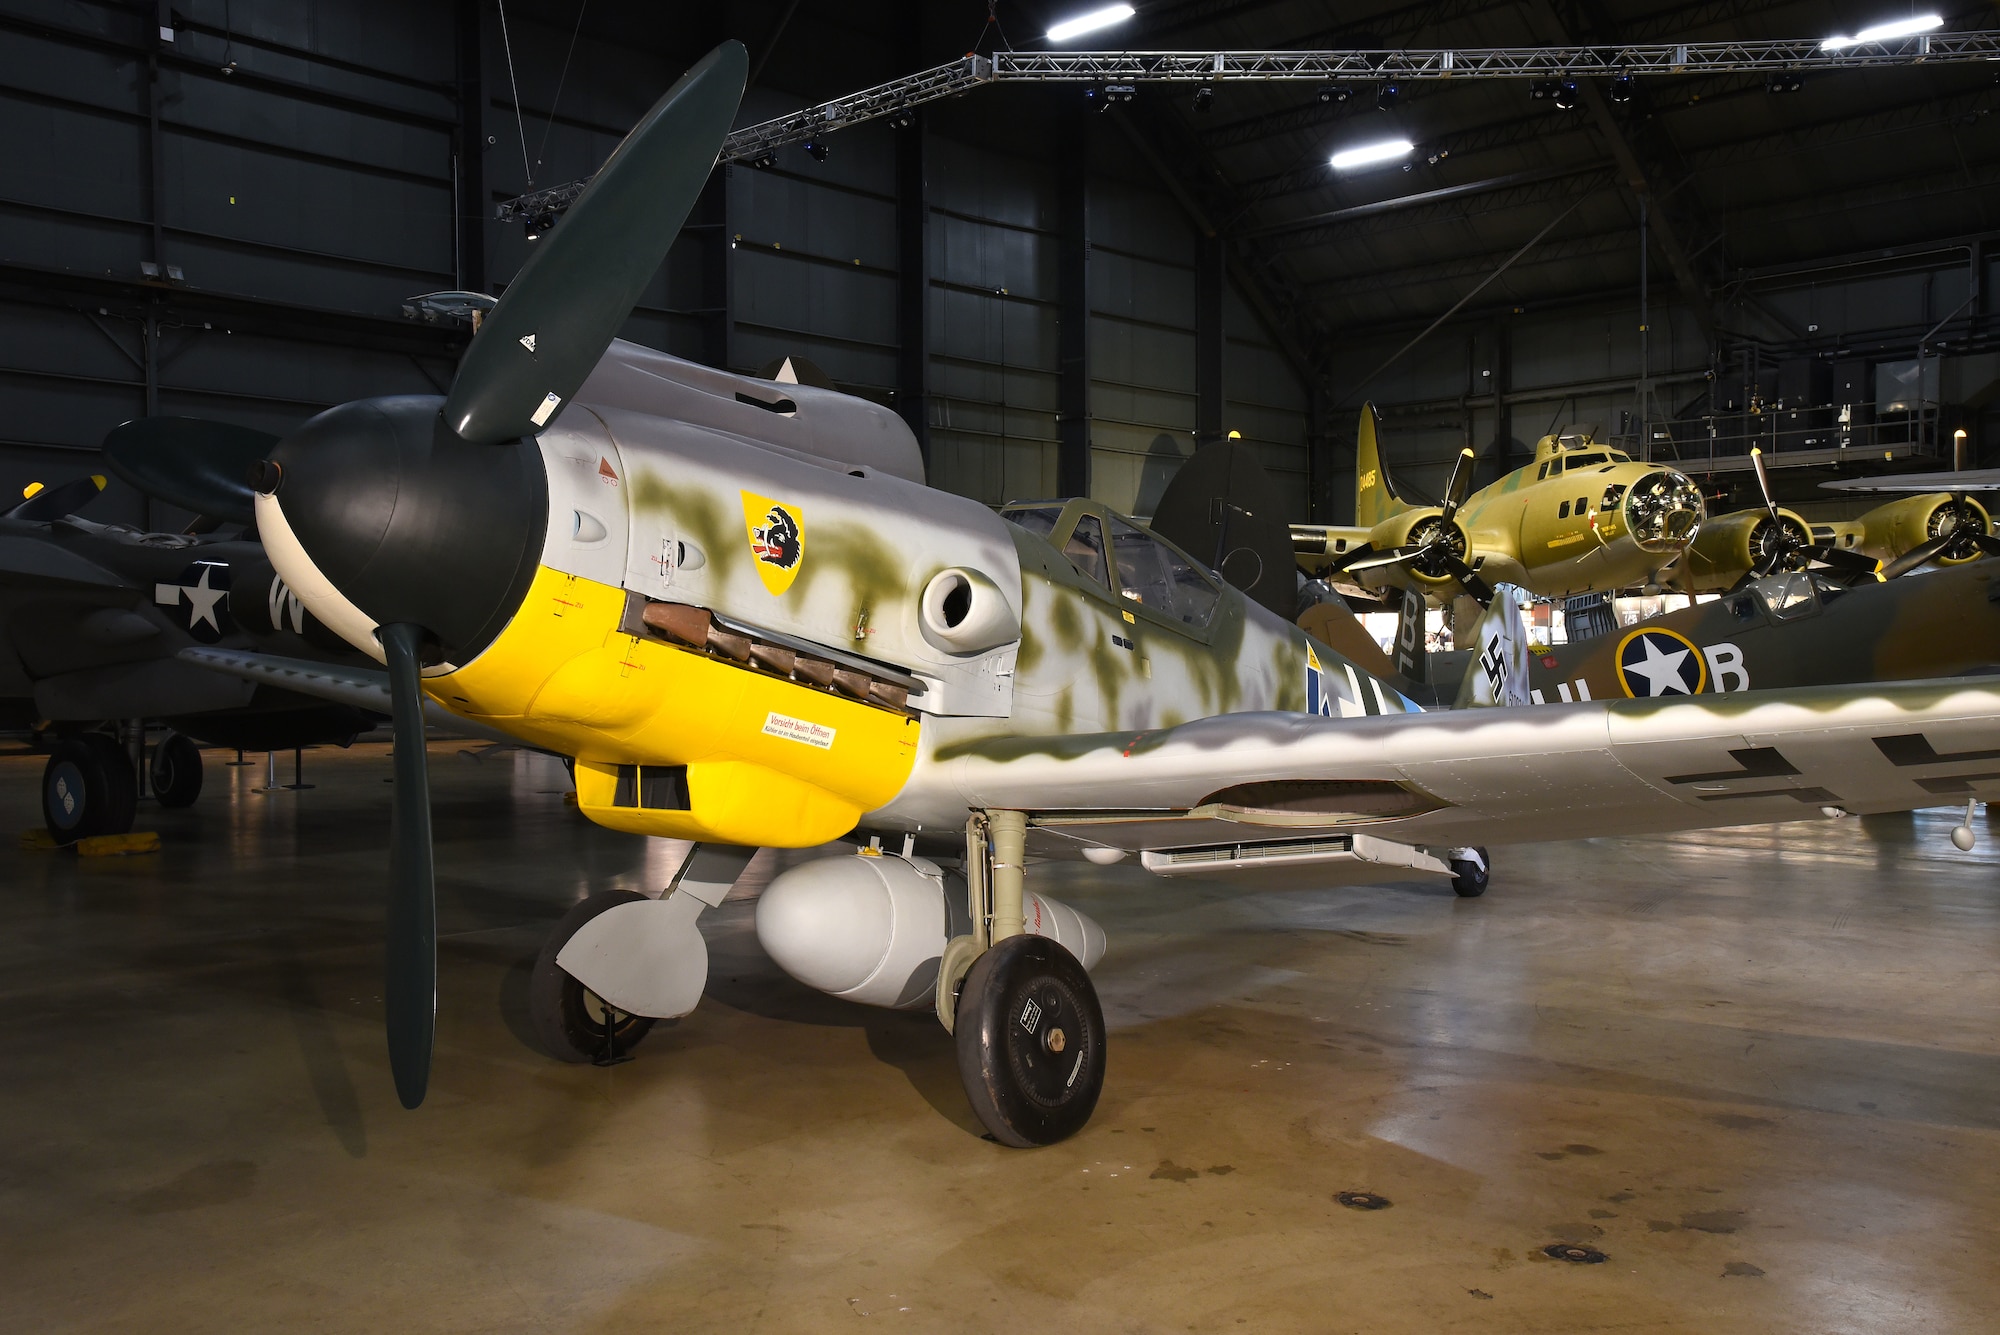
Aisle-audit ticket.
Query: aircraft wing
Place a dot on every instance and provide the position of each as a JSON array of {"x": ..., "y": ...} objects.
[
  {"x": 27, "y": 560},
  {"x": 1970, "y": 479},
  {"x": 363, "y": 688},
  {"x": 1495, "y": 776}
]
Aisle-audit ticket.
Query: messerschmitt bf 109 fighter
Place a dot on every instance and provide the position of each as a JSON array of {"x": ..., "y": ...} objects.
[{"x": 738, "y": 608}]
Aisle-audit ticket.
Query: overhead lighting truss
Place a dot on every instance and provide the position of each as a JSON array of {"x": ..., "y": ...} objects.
[{"x": 1325, "y": 68}]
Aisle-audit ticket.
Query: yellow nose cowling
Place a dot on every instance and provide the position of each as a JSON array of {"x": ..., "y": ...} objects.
[{"x": 671, "y": 741}]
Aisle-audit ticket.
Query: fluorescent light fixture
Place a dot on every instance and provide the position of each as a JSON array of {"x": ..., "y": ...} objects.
[
  {"x": 1091, "y": 22},
  {"x": 1386, "y": 151},
  {"x": 1885, "y": 32}
]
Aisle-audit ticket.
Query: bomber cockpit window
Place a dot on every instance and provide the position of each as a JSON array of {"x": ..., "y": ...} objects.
[
  {"x": 1576, "y": 461},
  {"x": 1555, "y": 464},
  {"x": 1157, "y": 577},
  {"x": 1085, "y": 548}
]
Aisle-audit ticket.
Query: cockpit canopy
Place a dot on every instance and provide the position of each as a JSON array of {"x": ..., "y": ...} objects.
[{"x": 1125, "y": 557}]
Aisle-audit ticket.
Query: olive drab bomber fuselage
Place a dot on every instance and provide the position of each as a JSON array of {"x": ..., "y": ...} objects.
[
  {"x": 1582, "y": 516},
  {"x": 727, "y": 627}
]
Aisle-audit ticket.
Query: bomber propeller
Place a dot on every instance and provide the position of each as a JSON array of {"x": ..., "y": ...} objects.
[
  {"x": 1783, "y": 548},
  {"x": 1435, "y": 546}
]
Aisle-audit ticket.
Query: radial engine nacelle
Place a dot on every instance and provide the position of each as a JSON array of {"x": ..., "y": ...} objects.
[{"x": 872, "y": 928}]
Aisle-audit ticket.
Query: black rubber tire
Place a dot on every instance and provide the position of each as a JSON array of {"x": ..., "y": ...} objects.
[
  {"x": 176, "y": 771},
  {"x": 1030, "y": 1038},
  {"x": 88, "y": 788},
  {"x": 568, "y": 1017},
  {"x": 1469, "y": 877}
]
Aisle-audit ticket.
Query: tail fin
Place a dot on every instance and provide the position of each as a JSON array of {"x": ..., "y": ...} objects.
[
  {"x": 1412, "y": 658},
  {"x": 1375, "y": 497},
  {"x": 1499, "y": 671}
]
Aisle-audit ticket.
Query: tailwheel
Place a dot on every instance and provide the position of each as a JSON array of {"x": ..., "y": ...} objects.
[
  {"x": 1030, "y": 1038},
  {"x": 1469, "y": 872},
  {"x": 88, "y": 787},
  {"x": 568, "y": 1017},
  {"x": 176, "y": 771}
]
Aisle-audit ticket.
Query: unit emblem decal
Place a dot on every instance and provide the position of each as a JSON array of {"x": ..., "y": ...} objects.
[
  {"x": 1660, "y": 662},
  {"x": 777, "y": 539},
  {"x": 200, "y": 595}
]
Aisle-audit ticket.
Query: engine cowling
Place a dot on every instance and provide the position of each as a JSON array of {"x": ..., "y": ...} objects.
[
  {"x": 1418, "y": 528},
  {"x": 1728, "y": 546},
  {"x": 1888, "y": 531},
  {"x": 872, "y": 929}
]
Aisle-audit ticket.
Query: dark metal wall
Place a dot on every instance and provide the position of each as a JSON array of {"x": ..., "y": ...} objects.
[
  {"x": 293, "y": 172},
  {"x": 223, "y": 224}
]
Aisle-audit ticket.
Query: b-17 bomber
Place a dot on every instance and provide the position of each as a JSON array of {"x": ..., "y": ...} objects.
[{"x": 1582, "y": 518}]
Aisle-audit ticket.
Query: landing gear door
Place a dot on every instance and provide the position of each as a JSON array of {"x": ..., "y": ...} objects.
[{"x": 587, "y": 504}]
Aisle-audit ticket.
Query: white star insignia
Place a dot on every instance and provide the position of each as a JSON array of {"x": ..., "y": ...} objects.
[{"x": 1661, "y": 671}]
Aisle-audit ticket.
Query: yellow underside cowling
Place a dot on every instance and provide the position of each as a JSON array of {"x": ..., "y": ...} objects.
[{"x": 768, "y": 761}]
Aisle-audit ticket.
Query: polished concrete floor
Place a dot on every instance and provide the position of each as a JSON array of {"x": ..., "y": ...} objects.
[{"x": 1758, "y": 1071}]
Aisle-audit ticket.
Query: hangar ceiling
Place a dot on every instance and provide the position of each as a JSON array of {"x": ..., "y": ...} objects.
[{"x": 293, "y": 172}]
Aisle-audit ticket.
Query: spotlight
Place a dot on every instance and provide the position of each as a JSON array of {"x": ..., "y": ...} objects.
[
  {"x": 763, "y": 162},
  {"x": 1335, "y": 92},
  {"x": 1621, "y": 89},
  {"x": 1386, "y": 95},
  {"x": 1368, "y": 154},
  {"x": 1784, "y": 81},
  {"x": 1565, "y": 95},
  {"x": 816, "y": 149},
  {"x": 1204, "y": 98},
  {"x": 902, "y": 118},
  {"x": 539, "y": 225},
  {"x": 1885, "y": 32},
  {"x": 1090, "y": 22},
  {"x": 1541, "y": 88}
]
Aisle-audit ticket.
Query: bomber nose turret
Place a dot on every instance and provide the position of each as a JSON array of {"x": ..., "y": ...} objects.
[
  {"x": 373, "y": 504},
  {"x": 1663, "y": 511}
]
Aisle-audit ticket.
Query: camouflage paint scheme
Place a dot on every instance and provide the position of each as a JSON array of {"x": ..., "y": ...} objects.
[
  {"x": 1239, "y": 732},
  {"x": 1553, "y": 527},
  {"x": 1794, "y": 630}
]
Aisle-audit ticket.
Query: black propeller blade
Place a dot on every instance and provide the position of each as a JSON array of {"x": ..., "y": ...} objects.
[
  {"x": 536, "y": 347},
  {"x": 198, "y": 465},
  {"x": 409, "y": 989},
  {"x": 1468, "y": 578},
  {"x": 533, "y": 352},
  {"x": 65, "y": 498},
  {"x": 1459, "y": 485}
]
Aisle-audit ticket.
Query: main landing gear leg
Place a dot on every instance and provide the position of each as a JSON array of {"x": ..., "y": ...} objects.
[{"x": 1028, "y": 1027}]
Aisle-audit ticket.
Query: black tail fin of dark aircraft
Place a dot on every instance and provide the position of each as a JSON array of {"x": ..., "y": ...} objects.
[{"x": 1411, "y": 655}]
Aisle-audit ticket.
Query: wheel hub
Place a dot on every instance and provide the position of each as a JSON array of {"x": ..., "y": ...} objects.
[{"x": 1045, "y": 1013}]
